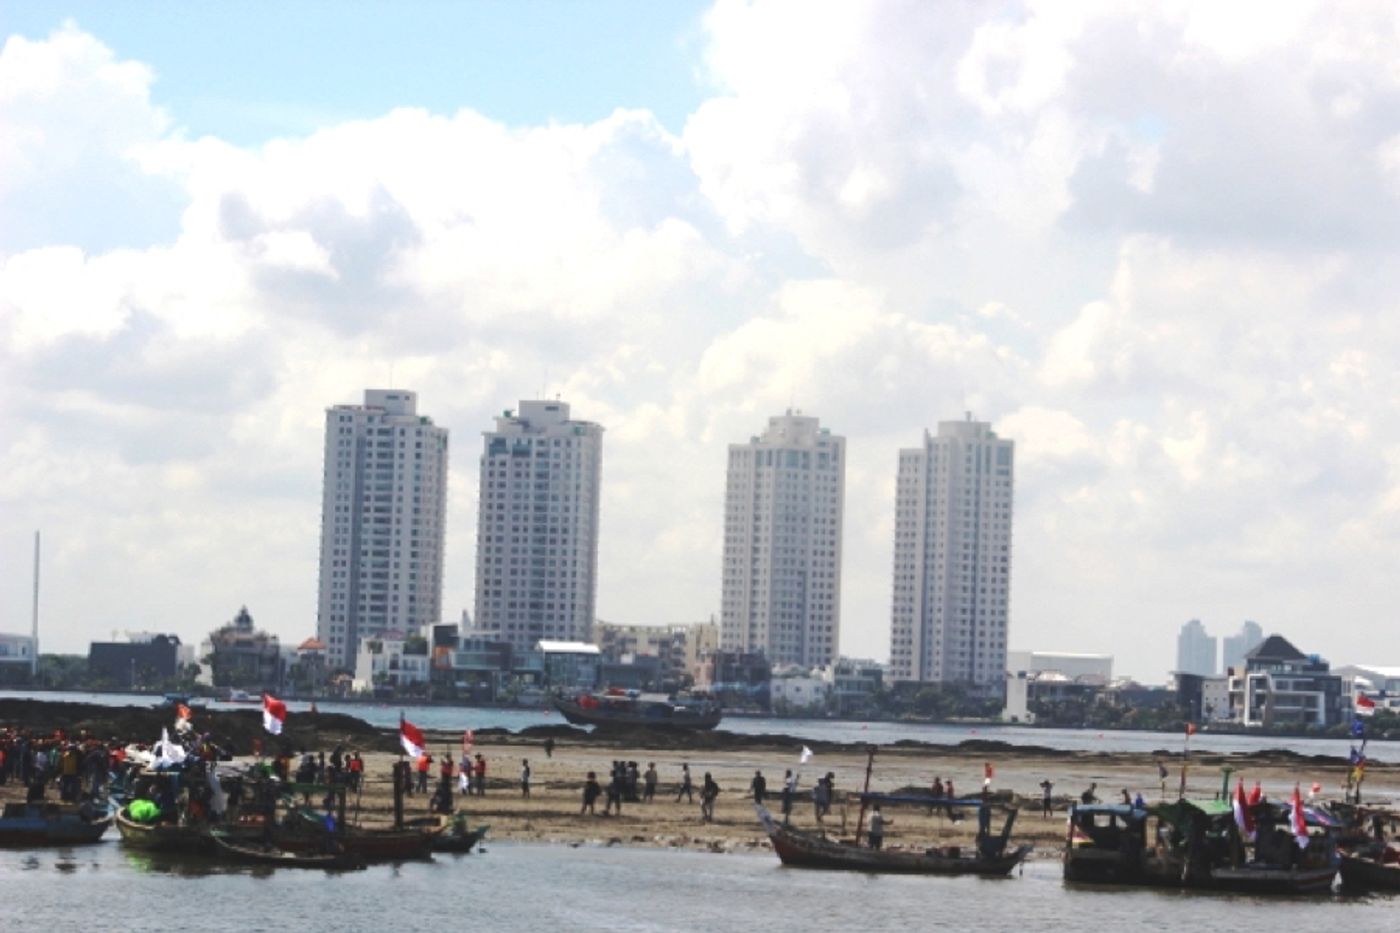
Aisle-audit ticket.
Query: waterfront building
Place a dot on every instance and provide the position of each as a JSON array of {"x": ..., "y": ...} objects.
[
  {"x": 1233, "y": 648},
  {"x": 244, "y": 656},
  {"x": 952, "y": 557},
  {"x": 1279, "y": 685},
  {"x": 679, "y": 649},
  {"x": 781, "y": 572},
  {"x": 1051, "y": 677},
  {"x": 384, "y": 499},
  {"x": 537, "y": 527},
  {"x": 1195, "y": 650},
  {"x": 391, "y": 660},
  {"x": 142, "y": 661},
  {"x": 17, "y": 658},
  {"x": 1378, "y": 682}
]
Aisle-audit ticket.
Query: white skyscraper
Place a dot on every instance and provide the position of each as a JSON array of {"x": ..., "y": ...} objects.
[
  {"x": 537, "y": 530},
  {"x": 952, "y": 556},
  {"x": 382, "y": 506},
  {"x": 782, "y": 543},
  {"x": 1195, "y": 650}
]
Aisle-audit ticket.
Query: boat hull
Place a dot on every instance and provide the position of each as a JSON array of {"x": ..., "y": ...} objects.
[
  {"x": 807, "y": 850},
  {"x": 1366, "y": 874},
  {"x": 36, "y": 825}
]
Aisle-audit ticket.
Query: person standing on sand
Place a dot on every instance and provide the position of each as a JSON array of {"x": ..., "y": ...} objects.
[
  {"x": 649, "y": 782},
  {"x": 821, "y": 797},
  {"x": 464, "y": 773},
  {"x": 953, "y": 814},
  {"x": 1088, "y": 796},
  {"x": 480, "y": 775},
  {"x": 687, "y": 790},
  {"x": 591, "y": 790},
  {"x": 1162, "y": 777},
  {"x": 759, "y": 786},
  {"x": 708, "y": 792},
  {"x": 549, "y": 747},
  {"x": 1046, "y": 786},
  {"x": 525, "y": 778},
  {"x": 789, "y": 792},
  {"x": 425, "y": 764}
]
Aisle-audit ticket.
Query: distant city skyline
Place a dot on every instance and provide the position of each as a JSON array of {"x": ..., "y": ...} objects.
[{"x": 1154, "y": 244}]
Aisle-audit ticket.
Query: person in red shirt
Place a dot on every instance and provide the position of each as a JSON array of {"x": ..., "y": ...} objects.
[
  {"x": 480, "y": 775},
  {"x": 425, "y": 764}
]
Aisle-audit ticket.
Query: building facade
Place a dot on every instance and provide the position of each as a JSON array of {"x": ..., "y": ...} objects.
[
  {"x": 781, "y": 574},
  {"x": 1195, "y": 650},
  {"x": 952, "y": 557},
  {"x": 382, "y": 519},
  {"x": 1280, "y": 685},
  {"x": 537, "y": 529}
]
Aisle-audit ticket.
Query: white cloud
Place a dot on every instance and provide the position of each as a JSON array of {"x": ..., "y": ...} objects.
[{"x": 1150, "y": 244}]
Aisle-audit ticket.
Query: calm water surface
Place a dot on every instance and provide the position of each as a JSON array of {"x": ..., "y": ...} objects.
[
  {"x": 558, "y": 888},
  {"x": 880, "y": 733}
]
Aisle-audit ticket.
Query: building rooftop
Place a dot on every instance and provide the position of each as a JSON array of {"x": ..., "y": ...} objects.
[
  {"x": 1275, "y": 648},
  {"x": 568, "y": 647}
]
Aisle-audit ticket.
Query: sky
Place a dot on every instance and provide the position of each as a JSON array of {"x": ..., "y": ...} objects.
[{"x": 1151, "y": 242}]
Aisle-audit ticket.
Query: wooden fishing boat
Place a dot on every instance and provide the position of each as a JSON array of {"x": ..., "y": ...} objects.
[
  {"x": 460, "y": 842},
  {"x": 1106, "y": 844},
  {"x": 617, "y": 709},
  {"x": 162, "y": 836},
  {"x": 50, "y": 824},
  {"x": 230, "y": 847},
  {"x": 1370, "y": 847},
  {"x": 307, "y": 833},
  {"x": 1373, "y": 870},
  {"x": 810, "y": 850}
]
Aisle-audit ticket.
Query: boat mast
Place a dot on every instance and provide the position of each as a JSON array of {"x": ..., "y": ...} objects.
[
  {"x": 34, "y": 633},
  {"x": 865, "y": 794}
]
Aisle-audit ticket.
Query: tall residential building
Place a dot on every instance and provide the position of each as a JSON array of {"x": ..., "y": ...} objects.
[
  {"x": 1233, "y": 648},
  {"x": 382, "y": 519},
  {"x": 537, "y": 529},
  {"x": 782, "y": 543},
  {"x": 952, "y": 556},
  {"x": 1195, "y": 650}
]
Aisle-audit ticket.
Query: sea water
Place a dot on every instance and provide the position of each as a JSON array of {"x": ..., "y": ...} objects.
[{"x": 564, "y": 889}]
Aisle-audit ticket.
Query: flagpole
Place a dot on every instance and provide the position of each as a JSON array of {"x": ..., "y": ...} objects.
[{"x": 1185, "y": 759}]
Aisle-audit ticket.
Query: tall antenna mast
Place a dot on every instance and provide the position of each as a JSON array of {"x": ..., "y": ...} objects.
[{"x": 34, "y": 648}]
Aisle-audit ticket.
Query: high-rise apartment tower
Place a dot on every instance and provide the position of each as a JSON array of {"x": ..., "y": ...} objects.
[
  {"x": 952, "y": 556},
  {"x": 1195, "y": 650},
  {"x": 537, "y": 528},
  {"x": 782, "y": 543},
  {"x": 382, "y": 505}
]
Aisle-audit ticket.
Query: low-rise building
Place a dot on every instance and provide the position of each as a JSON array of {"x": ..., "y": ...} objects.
[
  {"x": 1054, "y": 677},
  {"x": 144, "y": 662},
  {"x": 17, "y": 651},
  {"x": 1379, "y": 683},
  {"x": 1279, "y": 685},
  {"x": 794, "y": 689},
  {"x": 569, "y": 664},
  {"x": 391, "y": 661},
  {"x": 242, "y": 656}
]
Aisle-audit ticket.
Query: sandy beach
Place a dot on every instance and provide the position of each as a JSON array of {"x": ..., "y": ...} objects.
[{"x": 551, "y": 813}]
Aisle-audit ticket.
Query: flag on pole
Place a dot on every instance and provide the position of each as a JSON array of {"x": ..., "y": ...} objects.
[
  {"x": 805, "y": 757},
  {"x": 1256, "y": 795},
  {"x": 182, "y": 718},
  {"x": 1244, "y": 818},
  {"x": 1358, "y": 728},
  {"x": 988, "y": 772},
  {"x": 1365, "y": 706},
  {"x": 274, "y": 714},
  {"x": 411, "y": 738},
  {"x": 1298, "y": 824},
  {"x": 1190, "y": 729}
]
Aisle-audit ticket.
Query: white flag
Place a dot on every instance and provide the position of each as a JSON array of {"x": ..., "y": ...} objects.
[{"x": 806, "y": 756}]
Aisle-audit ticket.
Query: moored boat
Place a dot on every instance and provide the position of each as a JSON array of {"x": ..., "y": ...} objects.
[
  {"x": 631, "y": 709},
  {"x": 48, "y": 824},
  {"x": 158, "y": 836},
  {"x": 1370, "y": 858},
  {"x": 230, "y": 847},
  {"x": 989, "y": 857}
]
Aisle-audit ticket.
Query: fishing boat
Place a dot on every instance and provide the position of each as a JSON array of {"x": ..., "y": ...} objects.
[
  {"x": 1370, "y": 859},
  {"x": 162, "y": 836},
  {"x": 1106, "y": 844},
  {"x": 617, "y": 709},
  {"x": 229, "y": 846},
  {"x": 50, "y": 824},
  {"x": 989, "y": 857},
  {"x": 460, "y": 841},
  {"x": 305, "y": 831}
]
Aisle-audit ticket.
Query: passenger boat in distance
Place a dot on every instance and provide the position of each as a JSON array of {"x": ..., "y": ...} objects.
[
  {"x": 51, "y": 824},
  {"x": 990, "y": 856},
  {"x": 630, "y": 709}
]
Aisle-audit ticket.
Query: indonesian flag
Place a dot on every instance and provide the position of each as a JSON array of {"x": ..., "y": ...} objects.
[
  {"x": 1190, "y": 729},
  {"x": 1299, "y": 825},
  {"x": 182, "y": 718},
  {"x": 468, "y": 740},
  {"x": 1365, "y": 706},
  {"x": 988, "y": 772},
  {"x": 274, "y": 714},
  {"x": 411, "y": 738},
  {"x": 1244, "y": 819},
  {"x": 1256, "y": 795}
]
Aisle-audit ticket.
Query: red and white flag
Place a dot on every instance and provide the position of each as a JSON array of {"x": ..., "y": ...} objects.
[
  {"x": 274, "y": 714},
  {"x": 988, "y": 772},
  {"x": 1298, "y": 824},
  {"x": 468, "y": 740},
  {"x": 1244, "y": 818},
  {"x": 411, "y": 738},
  {"x": 1190, "y": 729},
  {"x": 1365, "y": 706}
]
